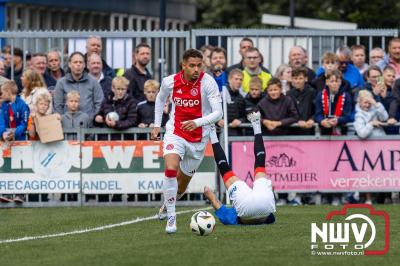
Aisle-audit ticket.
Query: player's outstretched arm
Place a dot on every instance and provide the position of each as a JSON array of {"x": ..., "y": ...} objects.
[
  {"x": 214, "y": 99},
  {"x": 161, "y": 99},
  {"x": 212, "y": 198}
]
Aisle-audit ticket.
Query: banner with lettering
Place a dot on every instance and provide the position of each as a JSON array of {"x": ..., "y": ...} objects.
[
  {"x": 324, "y": 165},
  {"x": 105, "y": 167}
]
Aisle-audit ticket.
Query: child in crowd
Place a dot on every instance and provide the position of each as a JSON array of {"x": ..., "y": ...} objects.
[
  {"x": 14, "y": 113},
  {"x": 389, "y": 76},
  {"x": 284, "y": 74},
  {"x": 145, "y": 109},
  {"x": 42, "y": 105},
  {"x": 120, "y": 102},
  {"x": 74, "y": 118},
  {"x": 278, "y": 111},
  {"x": 303, "y": 96},
  {"x": 370, "y": 115},
  {"x": 333, "y": 106},
  {"x": 254, "y": 96}
]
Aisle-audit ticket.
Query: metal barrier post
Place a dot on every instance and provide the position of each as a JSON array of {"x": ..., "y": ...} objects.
[
  {"x": 225, "y": 130},
  {"x": 80, "y": 138}
]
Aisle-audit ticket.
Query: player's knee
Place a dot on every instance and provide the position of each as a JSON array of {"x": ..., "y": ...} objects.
[
  {"x": 172, "y": 166},
  {"x": 172, "y": 161}
]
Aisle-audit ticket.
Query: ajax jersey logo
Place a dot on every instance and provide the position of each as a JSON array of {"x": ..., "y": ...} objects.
[{"x": 194, "y": 92}]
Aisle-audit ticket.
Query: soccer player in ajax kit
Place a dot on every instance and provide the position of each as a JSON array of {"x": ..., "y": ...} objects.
[
  {"x": 250, "y": 206},
  {"x": 196, "y": 104}
]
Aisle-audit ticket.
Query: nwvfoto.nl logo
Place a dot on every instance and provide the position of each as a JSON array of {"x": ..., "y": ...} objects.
[{"x": 352, "y": 233}]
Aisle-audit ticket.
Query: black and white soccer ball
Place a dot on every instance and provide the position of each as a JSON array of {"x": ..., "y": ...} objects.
[{"x": 202, "y": 223}]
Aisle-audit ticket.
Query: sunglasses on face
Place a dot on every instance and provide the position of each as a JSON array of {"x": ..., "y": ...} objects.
[{"x": 344, "y": 62}]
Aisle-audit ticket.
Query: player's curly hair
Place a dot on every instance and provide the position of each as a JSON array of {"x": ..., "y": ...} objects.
[{"x": 192, "y": 53}]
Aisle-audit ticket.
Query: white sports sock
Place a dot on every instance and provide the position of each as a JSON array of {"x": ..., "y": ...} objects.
[
  {"x": 170, "y": 187},
  {"x": 256, "y": 127}
]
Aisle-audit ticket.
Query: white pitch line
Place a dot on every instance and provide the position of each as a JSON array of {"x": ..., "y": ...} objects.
[{"x": 100, "y": 228}]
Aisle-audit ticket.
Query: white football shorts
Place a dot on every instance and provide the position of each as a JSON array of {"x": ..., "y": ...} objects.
[
  {"x": 255, "y": 203},
  {"x": 191, "y": 153}
]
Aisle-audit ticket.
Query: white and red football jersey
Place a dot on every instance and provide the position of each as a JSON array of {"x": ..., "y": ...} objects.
[{"x": 191, "y": 100}]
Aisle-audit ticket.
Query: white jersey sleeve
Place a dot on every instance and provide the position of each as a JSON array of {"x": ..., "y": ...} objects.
[
  {"x": 167, "y": 85},
  {"x": 214, "y": 99}
]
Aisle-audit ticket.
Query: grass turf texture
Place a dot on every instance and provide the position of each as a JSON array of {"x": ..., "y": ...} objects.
[{"x": 145, "y": 243}]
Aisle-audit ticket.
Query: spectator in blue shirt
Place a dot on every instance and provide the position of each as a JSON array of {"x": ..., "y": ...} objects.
[{"x": 14, "y": 113}]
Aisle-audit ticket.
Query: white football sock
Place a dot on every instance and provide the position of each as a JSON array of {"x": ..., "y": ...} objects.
[
  {"x": 256, "y": 127},
  {"x": 170, "y": 187}
]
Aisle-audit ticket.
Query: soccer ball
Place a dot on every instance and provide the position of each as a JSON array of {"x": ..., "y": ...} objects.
[
  {"x": 202, "y": 223},
  {"x": 113, "y": 116}
]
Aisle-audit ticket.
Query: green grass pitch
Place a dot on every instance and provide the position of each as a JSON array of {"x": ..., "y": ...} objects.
[{"x": 287, "y": 242}]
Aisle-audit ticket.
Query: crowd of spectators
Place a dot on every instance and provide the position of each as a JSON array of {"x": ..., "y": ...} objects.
[{"x": 344, "y": 88}]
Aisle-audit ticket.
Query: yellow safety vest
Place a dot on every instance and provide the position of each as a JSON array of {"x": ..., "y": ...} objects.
[
  {"x": 119, "y": 72},
  {"x": 263, "y": 76}
]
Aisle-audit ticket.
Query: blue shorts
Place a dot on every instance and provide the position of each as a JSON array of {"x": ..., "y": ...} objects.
[{"x": 228, "y": 216}]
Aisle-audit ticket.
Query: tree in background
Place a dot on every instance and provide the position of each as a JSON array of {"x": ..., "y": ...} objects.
[{"x": 247, "y": 13}]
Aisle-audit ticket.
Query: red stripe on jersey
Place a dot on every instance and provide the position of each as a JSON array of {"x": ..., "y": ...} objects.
[{"x": 187, "y": 100}]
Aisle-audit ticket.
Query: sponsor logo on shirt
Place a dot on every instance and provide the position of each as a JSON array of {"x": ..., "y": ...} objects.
[{"x": 186, "y": 102}]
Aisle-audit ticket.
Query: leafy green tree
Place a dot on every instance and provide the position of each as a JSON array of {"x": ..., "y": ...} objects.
[
  {"x": 247, "y": 13},
  {"x": 228, "y": 14}
]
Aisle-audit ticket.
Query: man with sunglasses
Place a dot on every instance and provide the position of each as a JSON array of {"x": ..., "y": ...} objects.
[{"x": 349, "y": 71}]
